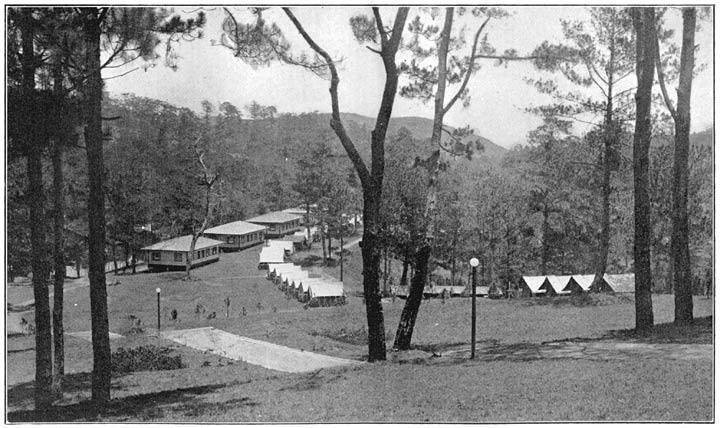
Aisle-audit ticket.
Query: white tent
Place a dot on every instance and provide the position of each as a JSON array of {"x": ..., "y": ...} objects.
[
  {"x": 271, "y": 255},
  {"x": 621, "y": 283},
  {"x": 293, "y": 276},
  {"x": 559, "y": 282},
  {"x": 534, "y": 283},
  {"x": 584, "y": 281},
  {"x": 326, "y": 289},
  {"x": 280, "y": 266},
  {"x": 281, "y": 270},
  {"x": 287, "y": 246},
  {"x": 280, "y": 273},
  {"x": 302, "y": 287}
]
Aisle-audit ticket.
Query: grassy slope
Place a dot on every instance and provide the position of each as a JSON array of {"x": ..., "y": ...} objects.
[{"x": 436, "y": 389}]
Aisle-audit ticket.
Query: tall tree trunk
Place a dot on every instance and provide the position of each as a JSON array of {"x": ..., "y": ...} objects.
[
  {"x": 114, "y": 256},
  {"x": 680, "y": 250},
  {"x": 190, "y": 255},
  {"x": 322, "y": 239},
  {"x": 96, "y": 212},
  {"x": 545, "y": 258},
  {"x": 372, "y": 179},
  {"x": 607, "y": 165},
  {"x": 405, "y": 329},
  {"x": 59, "y": 263},
  {"x": 39, "y": 263},
  {"x": 307, "y": 223},
  {"x": 38, "y": 258},
  {"x": 406, "y": 264},
  {"x": 403, "y": 337},
  {"x": 371, "y": 275},
  {"x": 644, "y": 23},
  {"x": 453, "y": 256}
]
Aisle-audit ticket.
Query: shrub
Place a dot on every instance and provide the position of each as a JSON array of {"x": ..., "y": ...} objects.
[{"x": 145, "y": 358}]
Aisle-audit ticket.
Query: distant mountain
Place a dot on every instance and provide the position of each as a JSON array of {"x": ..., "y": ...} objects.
[
  {"x": 421, "y": 128},
  {"x": 703, "y": 138}
]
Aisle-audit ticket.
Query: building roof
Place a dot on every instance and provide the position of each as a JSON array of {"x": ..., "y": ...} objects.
[
  {"x": 291, "y": 276},
  {"x": 272, "y": 255},
  {"x": 276, "y": 267},
  {"x": 297, "y": 211},
  {"x": 622, "y": 283},
  {"x": 274, "y": 217},
  {"x": 294, "y": 238},
  {"x": 235, "y": 228},
  {"x": 182, "y": 243},
  {"x": 534, "y": 283}
]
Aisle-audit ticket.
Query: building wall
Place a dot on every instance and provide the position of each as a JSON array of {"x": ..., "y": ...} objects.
[
  {"x": 177, "y": 259},
  {"x": 238, "y": 242},
  {"x": 281, "y": 229}
]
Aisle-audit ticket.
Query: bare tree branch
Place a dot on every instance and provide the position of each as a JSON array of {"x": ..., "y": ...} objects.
[
  {"x": 468, "y": 73},
  {"x": 661, "y": 80},
  {"x": 336, "y": 122}
]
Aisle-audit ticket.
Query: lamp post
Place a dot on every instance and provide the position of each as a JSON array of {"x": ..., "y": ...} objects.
[
  {"x": 157, "y": 290},
  {"x": 474, "y": 263}
]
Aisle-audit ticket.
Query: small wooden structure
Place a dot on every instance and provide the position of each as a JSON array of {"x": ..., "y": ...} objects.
[
  {"x": 174, "y": 253},
  {"x": 237, "y": 235},
  {"x": 298, "y": 240},
  {"x": 278, "y": 223}
]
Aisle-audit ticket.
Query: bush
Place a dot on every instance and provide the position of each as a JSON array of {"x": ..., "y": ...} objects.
[{"x": 145, "y": 358}]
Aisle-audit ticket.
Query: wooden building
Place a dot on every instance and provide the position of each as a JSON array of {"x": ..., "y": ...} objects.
[
  {"x": 237, "y": 235},
  {"x": 174, "y": 253},
  {"x": 278, "y": 223}
]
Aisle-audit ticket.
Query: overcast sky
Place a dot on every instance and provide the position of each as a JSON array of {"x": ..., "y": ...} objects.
[{"x": 499, "y": 94}]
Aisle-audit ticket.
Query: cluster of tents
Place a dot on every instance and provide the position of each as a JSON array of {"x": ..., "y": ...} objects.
[
  {"x": 551, "y": 285},
  {"x": 314, "y": 291}
]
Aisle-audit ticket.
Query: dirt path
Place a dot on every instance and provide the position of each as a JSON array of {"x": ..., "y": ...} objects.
[
  {"x": 601, "y": 350},
  {"x": 265, "y": 354}
]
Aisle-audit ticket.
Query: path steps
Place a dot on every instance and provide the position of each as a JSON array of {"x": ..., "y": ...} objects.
[{"x": 251, "y": 351}]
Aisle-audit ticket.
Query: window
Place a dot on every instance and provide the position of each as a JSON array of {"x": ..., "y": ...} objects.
[
  {"x": 155, "y": 256},
  {"x": 214, "y": 250},
  {"x": 230, "y": 240},
  {"x": 197, "y": 254},
  {"x": 178, "y": 257},
  {"x": 202, "y": 254}
]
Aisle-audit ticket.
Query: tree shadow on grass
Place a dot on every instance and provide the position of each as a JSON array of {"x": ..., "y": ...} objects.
[
  {"x": 699, "y": 332},
  {"x": 142, "y": 407}
]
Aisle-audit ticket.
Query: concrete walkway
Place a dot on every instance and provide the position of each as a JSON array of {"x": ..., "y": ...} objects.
[{"x": 265, "y": 354}]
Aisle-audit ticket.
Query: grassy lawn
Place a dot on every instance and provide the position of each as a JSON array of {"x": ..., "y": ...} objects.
[{"x": 414, "y": 386}]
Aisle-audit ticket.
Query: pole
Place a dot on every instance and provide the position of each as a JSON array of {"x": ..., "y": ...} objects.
[
  {"x": 474, "y": 263},
  {"x": 473, "y": 316},
  {"x": 157, "y": 290},
  {"x": 341, "y": 256}
]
